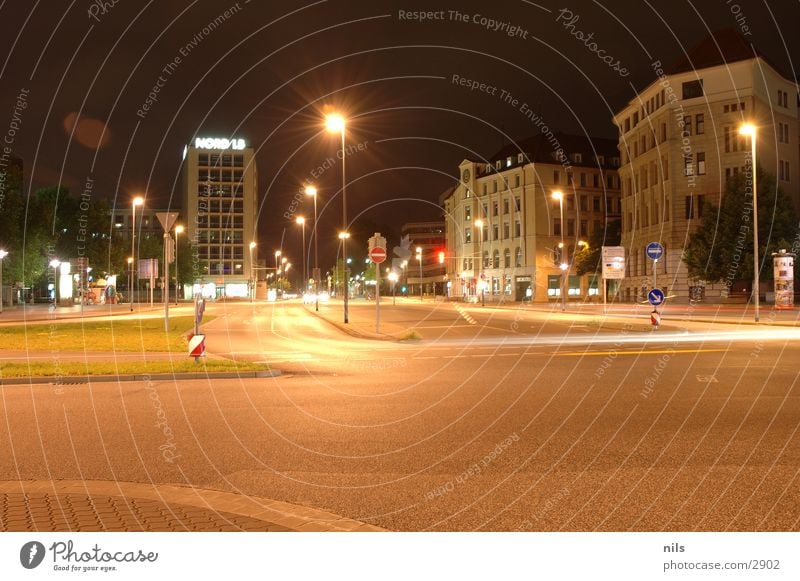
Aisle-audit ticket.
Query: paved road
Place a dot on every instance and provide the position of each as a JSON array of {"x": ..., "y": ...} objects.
[{"x": 476, "y": 426}]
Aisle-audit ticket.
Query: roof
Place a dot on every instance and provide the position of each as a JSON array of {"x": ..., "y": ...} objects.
[
  {"x": 721, "y": 47},
  {"x": 542, "y": 147}
]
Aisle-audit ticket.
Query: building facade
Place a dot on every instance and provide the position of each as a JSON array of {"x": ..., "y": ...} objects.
[
  {"x": 429, "y": 270},
  {"x": 679, "y": 143},
  {"x": 219, "y": 205},
  {"x": 504, "y": 228}
]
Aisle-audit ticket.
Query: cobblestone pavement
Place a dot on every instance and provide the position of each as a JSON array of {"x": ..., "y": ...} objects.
[{"x": 64, "y": 506}]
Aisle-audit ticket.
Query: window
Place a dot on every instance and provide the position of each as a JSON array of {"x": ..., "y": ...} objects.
[
  {"x": 467, "y": 234},
  {"x": 520, "y": 159},
  {"x": 516, "y": 204},
  {"x": 518, "y": 257},
  {"x": 595, "y": 180},
  {"x": 495, "y": 208},
  {"x": 596, "y": 204},
  {"x": 688, "y": 168},
  {"x": 578, "y": 158},
  {"x": 516, "y": 181},
  {"x": 507, "y": 258},
  {"x": 584, "y": 228},
  {"x": 610, "y": 181},
  {"x": 570, "y": 227},
  {"x": 663, "y": 132},
  {"x": 687, "y": 126},
  {"x": 584, "y": 203},
  {"x": 506, "y": 230},
  {"x": 495, "y": 232},
  {"x": 553, "y": 285},
  {"x": 517, "y": 229},
  {"x": 783, "y": 170},
  {"x": 468, "y": 213},
  {"x": 494, "y": 186},
  {"x": 556, "y": 177},
  {"x": 556, "y": 227},
  {"x": 496, "y": 259},
  {"x": 699, "y": 124},
  {"x": 505, "y": 206},
  {"x": 689, "y": 208},
  {"x": 485, "y": 259},
  {"x": 701, "y": 163},
  {"x": 583, "y": 180},
  {"x": 485, "y": 189},
  {"x": 594, "y": 289},
  {"x": 700, "y": 204},
  {"x": 693, "y": 89},
  {"x": 573, "y": 285}
]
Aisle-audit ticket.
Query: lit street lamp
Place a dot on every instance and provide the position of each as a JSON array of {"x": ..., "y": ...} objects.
[
  {"x": 54, "y": 264},
  {"x": 3, "y": 254},
  {"x": 479, "y": 226},
  {"x": 277, "y": 256},
  {"x": 178, "y": 230},
  {"x": 312, "y": 191},
  {"x": 558, "y": 195},
  {"x": 252, "y": 271},
  {"x": 343, "y": 236},
  {"x": 750, "y": 129},
  {"x": 419, "y": 259},
  {"x": 302, "y": 221},
  {"x": 336, "y": 124},
  {"x": 137, "y": 201}
]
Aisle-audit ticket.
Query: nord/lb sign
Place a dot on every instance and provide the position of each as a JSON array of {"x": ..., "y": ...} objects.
[{"x": 219, "y": 143}]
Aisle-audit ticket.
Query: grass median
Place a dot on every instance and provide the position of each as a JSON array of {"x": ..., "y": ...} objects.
[
  {"x": 120, "y": 336},
  {"x": 55, "y": 368}
]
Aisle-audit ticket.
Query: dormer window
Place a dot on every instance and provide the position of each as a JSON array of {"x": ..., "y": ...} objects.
[
  {"x": 508, "y": 161},
  {"x": 498, "y": 165},
  {"x": 601, "y": 160},
  {"x": 615, "y": 161},
  {"x": 520, "y": 158},
  {"x": 577, "y": 158}
]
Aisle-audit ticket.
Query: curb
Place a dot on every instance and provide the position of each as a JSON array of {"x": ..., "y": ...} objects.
[{"x": 72, "y": 379}]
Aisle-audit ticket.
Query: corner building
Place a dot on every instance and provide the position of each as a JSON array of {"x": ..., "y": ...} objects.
[
  {"x": 679, "y": 143},
  {"x": 219, "y": 204},
  {"x": 515, "y": 255}
]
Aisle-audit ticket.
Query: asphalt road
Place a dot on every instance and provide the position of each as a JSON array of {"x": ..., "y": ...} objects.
[{"x": 508, "y": 421}]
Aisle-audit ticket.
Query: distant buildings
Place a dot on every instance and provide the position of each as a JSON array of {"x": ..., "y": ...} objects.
[
  {"x": 429, "y": 237},
  {"x": 219, "y": 207},
  {"x": 503, "y": 227},
  {"x": 679, "y": 142}
]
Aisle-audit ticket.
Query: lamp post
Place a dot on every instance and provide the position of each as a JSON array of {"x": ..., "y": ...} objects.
[
  {"x": 130, "y": 275},
  {"x": 336, "y": 124},
  {"x": 419, "y": 259},
  {"x": 252, "y": 271},
  {"x": 479, "y": 226},
  {"x": 284, "y": 260},
  {"x": 3, "y": 254},
  {"x": 137, "y": 201},
  {"x": 558, "y": 195},
  {"x": 178, "y": 230},
  {"x": 54, "y": 264},
  {"x": 750, "y": 129},
  {"x": 286, "y": 268},
  {"x": 312, "y": 191},
  {"x": 393, "y": 278},
  {"x": 302, "y": 221},
  {"x": 277, "y": 257},
  {"x": 343, "y": 236}
]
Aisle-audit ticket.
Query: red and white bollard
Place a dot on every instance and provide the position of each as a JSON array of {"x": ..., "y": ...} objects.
[{"x": 655, "y": 318}]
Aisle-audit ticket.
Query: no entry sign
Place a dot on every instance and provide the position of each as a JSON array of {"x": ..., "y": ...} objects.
[{"x": 377, "y": 255}]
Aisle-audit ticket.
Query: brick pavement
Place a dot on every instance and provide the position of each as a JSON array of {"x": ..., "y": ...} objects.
[{"x": 64, "y": 506}]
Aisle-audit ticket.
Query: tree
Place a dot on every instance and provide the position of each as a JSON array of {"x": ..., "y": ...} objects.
[
  {"x": 587, "y": 259},
  {"x": 721, "y": 249}
]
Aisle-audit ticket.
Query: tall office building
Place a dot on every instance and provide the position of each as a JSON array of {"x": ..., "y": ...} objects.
[
  {"x": 219, "y": 205},
  {"x": 680, "y": 142}
]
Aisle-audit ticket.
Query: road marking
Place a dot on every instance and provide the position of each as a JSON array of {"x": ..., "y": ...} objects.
[
  {"x": 465, "y": 314},
  {"x": 640, "y": 352}
]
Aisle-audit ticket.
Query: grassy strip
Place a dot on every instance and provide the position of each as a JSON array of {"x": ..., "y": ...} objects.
[
  {"x": 73, "y": 368},
  {"x": 124, "y": 336}
]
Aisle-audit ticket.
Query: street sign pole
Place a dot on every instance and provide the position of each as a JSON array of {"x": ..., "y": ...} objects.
[
  {"x": 377, "y": 254},
  {"x": 167, "y": 219}
]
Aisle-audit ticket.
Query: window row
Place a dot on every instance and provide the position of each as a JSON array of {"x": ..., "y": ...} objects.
[
  {"x": 596, "y": 179},
  {"x": 220, "y": 191},
  {"x": 220, "y": 236},
  {"x": 223, "y": 268},
  {"x": 639, "y": 264},
  {"x": 646, "y": 214},
  {"x": 216, "y": 206},
  {"x": 495, "y": 232},
  {"x": 219, "y": 175},
  {"x": 493, "y": 260},
  {"x": 215, "y": 252},
  {"x": 215, "y": 160},
  {"x": 217, "y": 221}
]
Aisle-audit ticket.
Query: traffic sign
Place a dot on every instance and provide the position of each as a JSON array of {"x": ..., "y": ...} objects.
[
  {"x": 655, "y": 297},
  {"x": 167, "y": 219},
  {"x": 377, "y": 255},
  {"x": 613, "y": 262},
  {"x": 654, "y": 251},
  {"x": 655, "y": 318},
  {"x": 197, "y": 346}
]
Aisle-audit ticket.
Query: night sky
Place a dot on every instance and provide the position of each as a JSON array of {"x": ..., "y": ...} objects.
[{"x": 267, "y": 72}]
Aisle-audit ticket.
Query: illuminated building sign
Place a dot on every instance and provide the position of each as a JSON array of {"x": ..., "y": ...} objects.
[{"x": 219, "y": 143}]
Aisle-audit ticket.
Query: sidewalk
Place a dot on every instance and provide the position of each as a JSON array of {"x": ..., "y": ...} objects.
[
  {"x": 103, "y": 506},
  {"x": 45, "y": 312}
]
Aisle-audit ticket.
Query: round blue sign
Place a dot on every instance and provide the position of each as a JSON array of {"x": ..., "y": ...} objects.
[
  {"x": 655, "y": 251},
  {"x": 656, "y": 297}
]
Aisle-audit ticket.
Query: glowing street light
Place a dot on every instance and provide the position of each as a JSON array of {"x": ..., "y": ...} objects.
[
  {"x": 336, "y": 123},
  {"x": 312, "y": 191},
  {"x": 558, "y": 195},
  {"x": 752, "y": 131},
  {"x": 137, "y": 201},
  {"x": 302, "y": 221}
]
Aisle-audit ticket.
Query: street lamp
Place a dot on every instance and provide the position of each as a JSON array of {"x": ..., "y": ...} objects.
[
  {"x": 54, "y": 264},
  {"x": 393, "y": 278},
  {"x": 302, "y": 221},
  {"x": 312, "y": 191},
  {"x": 558, "y": 195},
  {"x": 277, "y": 256},
  {"x": 130, "y": 275},
  {"x": 479, "y": 226},
  {"x": 343, "y": 236},
  {"x": 336, "y": 124},
  {"x": 178, "y": 230},
  {"x": 750, "y": 129},
  {"x": 137, "y": 201},
  {"x": 419, "y": 259},
  {"x": 252, "y": 271},
  {"x": 3, "y": 254}
]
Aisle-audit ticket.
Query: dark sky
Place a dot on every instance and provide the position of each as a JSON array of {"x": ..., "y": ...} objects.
[{"x": 268, "y": 72}]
